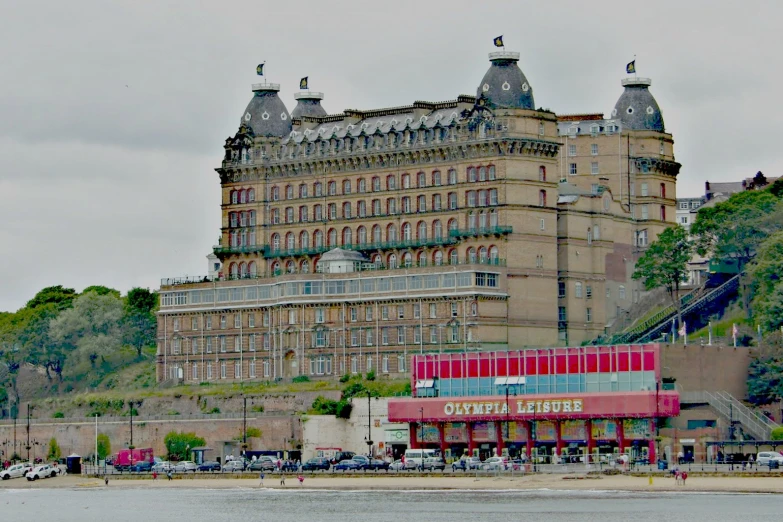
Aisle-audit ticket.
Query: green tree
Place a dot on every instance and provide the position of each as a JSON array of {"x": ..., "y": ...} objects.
[
  {"x": 777, "y": 433},
  {"x": 766, "y": 283},
  {"x": 139, "y": 324},
  {"x": 765, "y": 379},
  {"x": 104, "y": 446},
  {"x": 179, "y": 444},
  {"x": 61, "y": 297},
  {"x": 102, "y": 290},
  {"x": 664, "y": 263},
  {"x": 54, "y": 450}
]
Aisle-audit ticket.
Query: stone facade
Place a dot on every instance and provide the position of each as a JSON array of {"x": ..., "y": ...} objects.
[{"x": 471, "y": 234}]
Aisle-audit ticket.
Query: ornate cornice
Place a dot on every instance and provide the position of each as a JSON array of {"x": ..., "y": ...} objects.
[{"x": 645, "y": 164}]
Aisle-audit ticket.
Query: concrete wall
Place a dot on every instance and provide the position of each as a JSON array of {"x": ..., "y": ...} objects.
[{"x": 708, "y": 368}]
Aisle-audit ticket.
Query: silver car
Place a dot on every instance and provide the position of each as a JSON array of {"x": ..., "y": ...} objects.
[{"x": 185, "y": 465}]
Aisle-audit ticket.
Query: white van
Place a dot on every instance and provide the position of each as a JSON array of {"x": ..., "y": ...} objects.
[{"x": 414, "y": 457}]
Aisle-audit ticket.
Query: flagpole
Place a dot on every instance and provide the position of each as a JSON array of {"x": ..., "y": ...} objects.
[
  {"x": 734, "y": 333},
  {"x": 709, "y": 337}
]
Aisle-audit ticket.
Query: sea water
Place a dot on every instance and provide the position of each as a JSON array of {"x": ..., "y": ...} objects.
[{"x": 300, "y": 504}]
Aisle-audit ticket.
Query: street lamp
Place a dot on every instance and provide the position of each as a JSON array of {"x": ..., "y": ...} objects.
[
  {"x": 29, "y": 407},
  {"x": 533, "y": 451},
  {"x": 132, "y": 403},
  {"x": 369, "y": 421},
  {"x": 244, "y": 426}
]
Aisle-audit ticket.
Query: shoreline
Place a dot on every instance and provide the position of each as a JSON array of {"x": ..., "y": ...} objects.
[{"x": 585, "y": 483}]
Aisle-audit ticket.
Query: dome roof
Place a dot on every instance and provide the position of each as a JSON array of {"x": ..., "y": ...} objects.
[
  {"x": 504, "y": 84},
  {"x": 636, "y": 108},
  {"x": 266, "y": 113},
  {"x": 309, "y": 104}
]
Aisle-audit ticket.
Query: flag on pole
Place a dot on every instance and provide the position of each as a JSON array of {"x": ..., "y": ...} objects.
[
  {"x": 260, "y": 69},
  {"x": 303, "y": 83},
  {"x": 631, "y": 67},
  {"x": 498, "y": 41}
]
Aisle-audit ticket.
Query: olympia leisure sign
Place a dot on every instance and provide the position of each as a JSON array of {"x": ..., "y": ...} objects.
[{"x": 522, "y": 407}]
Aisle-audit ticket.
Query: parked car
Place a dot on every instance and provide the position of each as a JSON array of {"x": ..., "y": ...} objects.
[
  {"x": 141, "y": 466},
  {"x": 434, "y": 463},
  {"x": 42, "y": 471},
  {"x": 110, "y": 460},
  {"x": 466, "y": 464},
  {"x": 316, "y": 464},
  {"x": 348, "y": 465},
  {"x": 162, "y": 467},
  {"x": 262, "y": 464},
  {"x": 234, "y": 465},
  {"x": 289, "y": 465},
  {"x": 185, "y": 466},
  {"x": 16, "y": 471},
  {"x": 398, "y": 465},
  {"x": 209, "y": 466},
  {"x": 495, "y": 464},
  {"x": 764, "y": 457},
  {"x": 363, "y": 460},
  {"x": 342, "y": 455},
  {"x": 378, "y": 464}
]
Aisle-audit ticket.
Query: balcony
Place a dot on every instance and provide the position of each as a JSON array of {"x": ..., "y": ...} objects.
[
  {"x": 222, "y": 251},
  {"x": 271, "y": 253},
  {"x": 499, "y": 230}
]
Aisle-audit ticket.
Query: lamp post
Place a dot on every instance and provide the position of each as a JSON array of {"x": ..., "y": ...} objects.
[
  {"x": 369, "y": 421},
  {"x": 533, "y": 451},
  {"x": 244, "y": 425},
  {"x": 132, "y": 403},
  {"x": 29, "y": 407}
]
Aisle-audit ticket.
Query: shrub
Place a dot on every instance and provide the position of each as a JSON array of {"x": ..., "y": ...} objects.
[
  {"x": 777, "y": 433},
  {"x": 172, "y": 412},
  {"x": 258, "y": 409},
  {"x": 345, "y": 378},
  {"x": 252, "y": 431},
  {"x": 179, "y": 444},
  {"x": 344, "y": 409},
  {"x": 58, "y": 415},
  {"x": 104, "y": 446},
  {"x": 371, "y": 375},
  {"x": 54, "y": 450},
  {"x": 301, "y": 378},
  {"x": 214, "y": 410}
]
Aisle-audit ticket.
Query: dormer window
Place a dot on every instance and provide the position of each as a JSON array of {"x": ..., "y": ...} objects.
[
  {"x": 594, "y": 130},
  {"x": 573, "y": 130}
]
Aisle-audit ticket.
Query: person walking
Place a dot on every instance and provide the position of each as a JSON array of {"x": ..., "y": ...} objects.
[
  {"x": 282, "y": 480},
  {"x": 261, "y": 479},
  {"x": 168, "y": 474},
  {"x": 301, "y": 479},
  {"x": 154, "y": 475}
]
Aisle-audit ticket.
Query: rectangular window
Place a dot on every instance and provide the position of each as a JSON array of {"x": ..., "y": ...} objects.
[
  {"x": 368, "y": 366},
  {"x": 400, "y": 335},
  {"x": 588, "y": 291},
  {"x": 194, "y": 323},
  {"x": 454, "y": 310},
  {"x": 265, "y": 317},
  {"x": 572, "y": 169},
  {"x": 561, "y": 289},
  {"x": 251, "y": 342},
  {"x": 416, "y": 310},
  {"x": 209, "y": 371},
  {"x": 291, "y": 316},
  {"x": 385, "y": 364},
  {"x": 594, "y": 168},
  {"x": 385, "y": 313},
  {"x": 589, "y": 315},
  {"x": 237, "y": 370},
  {"x": 578, "y": 290},
  {"x": 267, "y": 368},
  {"x": 368, "y": 313},
  {"x": 319, "y": 315},
  {"x": 561, "y": 313},
  {"x": 176, "y": 324},
  {"x": 251, "y": 320},
  {"x": 237, "y": 320},
  {"x": 645, "y": 212},
  {"x": 370, "y": 336},
  {"x": 433, "y": 334},
  {"x": 223, "y": 322},
  {"x": 542, "y": 224},
  {"x": 594, "y": 149},
  {"x": 572, "y": 150},
  {"x": 209, "y": 322},
  {"x": 400, "y": 312},
  {"x": 417, "y": 334},
  {"x": 252, "y": 368},
  {"x": 641, "y": 238},
  {"x": 492, "y": 280},
  {"x": 401, "y": 363},
  {"x": 354, "y": 314},
  {"x": 433, "y": 310},
  {"x": 621, "y": 292},
  {"x": 222, "y": 369},
  {"x": 222, "y": 343},
  {"x": 644, "y": 191},
  {"x": 385, "y": 336},
  {"x": 354, "y": 337}
]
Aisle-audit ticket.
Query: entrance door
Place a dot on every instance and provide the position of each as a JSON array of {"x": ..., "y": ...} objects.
[{"x": 290, "y": 365}]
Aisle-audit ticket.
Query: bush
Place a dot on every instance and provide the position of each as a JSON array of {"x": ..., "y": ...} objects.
[
  {"x": 179, "y": 444},
  {"x": 343, "y": 409},
  {"x": 54, "y": 450},
  {"x": 214, "y": 410},
  {"x": 301, "y": 378},
  {"x": 104, "y": 446},
  {"x": 345, "y": 378},
  {"x": 58, "y": 415},
  {"x": 324, "y": 406},
  {"x": 371, "y": 375},
  {"x": 777, "y": 433},
  {"x": 252, "y": 431},
  {"x": 257, "y": 409}
]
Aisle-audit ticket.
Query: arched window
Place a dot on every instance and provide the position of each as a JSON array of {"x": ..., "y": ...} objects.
[
  {"x": 482, "y": 220},
  {"x": 422, "y": 259},
  {"x": 318, "y": 239},
  {"x": 491, "y": 170},
  {"x": 347, "y": 210},
  {"x": 346, "y": 186},
  {"x": 542, "y": 198},
  {"x": 242, "y": 196},
  {"x": 471, "y": 221},
  {"x": 275, "y": 193},
  {"x": 407, "y": 260},
  {"x": 242, "y": 270},
  {"x": 377, "y": 261},
  {"x": 361, "y": 235},
  {"x": 437, "y": 229},
  {"x": 437, "y": 258},
  {"x": 233, "y": 270},
  {"x": 436, "y": 178},
  {"x": 332, "y": 188},
  {"x": 453, "y": 224},
  {"x": 347, "y": 236},
  {"x": 422, "y": 226},
  {"x": 290, "y": 241},
  {"x": 542, "y": 173},
  {"x": 304, "y": 239},
  {"x": 436, "y": 204},
  {"x": 391, "y": 233},
  {"x": 483, "y": 255},
  {"x": 232, "y": 238},
  {"x": 361, "y": 209},
  {"x": 275, "y": 242},
  {"x": 303, "y": 216},
  {"x": 392, "y": 261},
  {"x": 391, "y": 182},
  {"x": 406, "y": 181},
  {"x": 361, "y": 185},
  {"x": 305, "y": 267},
  {"x": 453, "y": 257},
  {"x": 234, "y": 197},
  {"x": 251, "y": 195},
  {"x": 290, "y": 267},
  {"x": 376, "y": 234},
  {"x": 243, "y": 238},
  {"x": 493, "y": 255},
  {"x": 252, "y": 269},
  {"x": 376, "y": 184},
  {"x": 276, "y": 268},
  {"x": 289, "y": 192},
  {"x": 421, "y": 180},
  {"x": 302, "y": 190},
  {"x": 663, "y": 213},
  {"x": 232, "y": 219},
  {"x": 331, "y": 238},
  {"x": 317, "y": 189},
  {"x": 471, "y": 174},
  {"x": 406, "y": 231},
  {"x": 471, "y": 255},
  {"x": 482, "y": 173}
]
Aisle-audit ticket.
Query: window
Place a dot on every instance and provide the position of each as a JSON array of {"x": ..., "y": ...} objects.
[
  {"x": 661, "y": 150},
  {"x": 594, "y": 168},
  {"x": 572, "y": 150},
  {"x": 416, "y": 310},
  {"x": 251, "y": 342},
  {"x": 644, "y": 191},
  {"x": 320, "y": 313},
  {"x": 275, "y": 193},
  {"x": 542, "y": 173},
  {"x": 541, "y": 128},
  {"x": 422, "y": 203},
  {"x": 391, "y": 206},
  {"x": 385, "y": 313},
  {"x": 433, "y": 334},
  {"x": 433, "y": 310},
  {"x": 391, "y": 182},
  {"x": 594, "y": 149},
  {"x": 332, "y": 188},
  {"x": 421, "y": 180},
  {"x": 470, "y": 198},
  {"x": 318, "y": 189},
  {"x": 376, "y": 184},
  {"x": 291, "y": 316},
  {"x": 561, "y": 313},
  {"x": 436, "y": 178},
  {"x": 471, "y": 174},
  {"x": 589, "y": 315},
  {"x": 347, "y": 210},
  {"x": 237, "y": 370},
  {"x": 353, "y": 314},
  {"x": 223, "y": 369},
  {"x": 542, "y": 198},
  {"x": 361, "y": 185},
  {"x": 400, "y": 312},
  {"x": 539, "y": 261},
  {"x": 452, "y": 177},
  {"x": 588, "y": 291},
  {"x": 223, "y": 322},
  {"x": 578, "y": 290},
  {"x": 572, "y": 169},
  {"x": 621, "y": 292},
  {"x": 346, "y": 186},
  {"x": 368, "y": 313},
  {"x": 454, "y": 310},
  {"x": 663, "y": 213},
  {"x": 401, "y": 363},
  {"x": 237, "y": 320},
  {"x": 683, "y": 220},
  {"x": 645, "y": 213},
  {"x": 561, "y": 289},
  {"x": 370, "y": 336},
  {"x": 641, "y": 238},
  {"x": 237, "y": 344},
  {"x": 384, "y": 336},
  {"x": 482, "y": 174},
  {"x": 209, "y": 370},
  {"x": 436, "y": 202},
  {"x": 663, "y": 190},
  {"x": 594, "y": 188}
]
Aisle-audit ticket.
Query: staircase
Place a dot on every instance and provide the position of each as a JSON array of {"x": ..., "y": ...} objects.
[
  {"x": 660, "y": 323},
  {"x": 753, "y": 423}
]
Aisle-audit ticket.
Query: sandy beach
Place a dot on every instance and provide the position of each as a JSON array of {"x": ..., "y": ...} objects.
[{"x": 697, "y": 483}]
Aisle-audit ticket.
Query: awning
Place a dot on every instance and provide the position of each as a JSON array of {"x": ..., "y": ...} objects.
[
  {"x": 507, "y": 381},
  {"x": 428, "y": 383}
]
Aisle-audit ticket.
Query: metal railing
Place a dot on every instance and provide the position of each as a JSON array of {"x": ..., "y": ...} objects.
[
  {"x": 498, "y": 230},
  {"x": 753, "y": 423}
]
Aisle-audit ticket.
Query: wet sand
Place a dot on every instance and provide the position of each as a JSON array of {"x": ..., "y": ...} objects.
[{"x": 383, "y": 482}]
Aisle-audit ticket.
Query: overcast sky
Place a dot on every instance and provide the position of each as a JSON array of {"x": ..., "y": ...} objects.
[{"x": 113, "y": 114}]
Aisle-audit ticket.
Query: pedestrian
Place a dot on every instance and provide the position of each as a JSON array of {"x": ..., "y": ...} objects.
[
  {"x": 168, "y": 474},
  {"x": 301, "y": 480},
  {"x": 154, "y": 475},
  {"x": 106, "y": 480},
  {"x": 750, "y": 461},
  {"x": 282, "y": 480},
  {"x": 261, "y": 479},
  {"x": 684, "y": 476}
]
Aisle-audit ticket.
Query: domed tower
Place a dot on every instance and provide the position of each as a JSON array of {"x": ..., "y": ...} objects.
[
  {"x": 308, "y": 104},
  {"x": 637, "y": 108},
  {"x": 266, "y": 113},
  {"x": 505, "y": 85}
]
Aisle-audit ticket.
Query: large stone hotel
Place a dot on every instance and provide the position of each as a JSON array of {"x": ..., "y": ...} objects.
[{"x": 351, "y": 241}]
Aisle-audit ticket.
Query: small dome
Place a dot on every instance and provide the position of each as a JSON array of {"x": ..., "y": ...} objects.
[
  {"x": 504, "y": 84},
  {"x": 266, "y": 113},
  {"x": 309, "y": 104},
  {"x": 636, "y": 108}
]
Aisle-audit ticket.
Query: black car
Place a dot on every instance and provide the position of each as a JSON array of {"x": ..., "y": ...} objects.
[
  {"x": 377, "y": 464},
  {"x": 209, "y": 466},
  {"x": 316, "y": 464},
  {"x": 141, "y": 466},
  {"x": 342, "y": 455}
]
